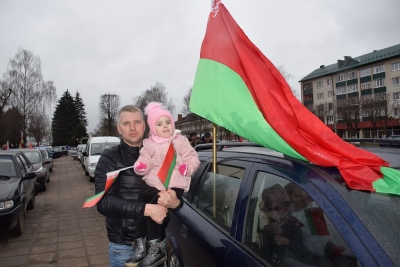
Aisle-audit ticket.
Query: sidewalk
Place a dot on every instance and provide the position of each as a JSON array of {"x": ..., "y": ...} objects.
[{"x": 58, "y": 232}]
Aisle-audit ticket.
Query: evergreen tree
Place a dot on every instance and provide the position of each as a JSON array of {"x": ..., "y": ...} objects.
[
  {"x": 65, "y": 120},
  {"x": 80, "y": 109}
]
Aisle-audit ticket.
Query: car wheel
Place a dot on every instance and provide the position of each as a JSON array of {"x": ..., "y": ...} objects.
[
  {"x": 19, "y": 227},
  {"x": 91, "y": 179},
  {"x": 48, "y": 178},
  {"x": 44, "y": 188},
  {"x": 32, "y": 203},
  {"x": 86, "y": 173},
  {"x": 172, "y": 258},
  {"x": 51, "y": 169}
]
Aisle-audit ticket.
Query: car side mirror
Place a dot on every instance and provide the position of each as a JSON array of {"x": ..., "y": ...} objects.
[
  {"x": 47, "y": 161},
  {"x": 84, "y": 154},
  {"x": 29, "y": 176}
]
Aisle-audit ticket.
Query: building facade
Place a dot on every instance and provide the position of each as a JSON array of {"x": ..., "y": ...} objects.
[{"x": 357, "y": 97}]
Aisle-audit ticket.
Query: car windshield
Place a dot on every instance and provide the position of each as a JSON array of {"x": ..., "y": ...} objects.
[
  {"x": 97, "y": 148},
  {"x": 33, "y": 156},
  {"x": 7, "y": 166}
]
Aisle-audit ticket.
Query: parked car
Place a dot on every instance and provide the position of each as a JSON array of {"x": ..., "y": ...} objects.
[
  {"x": 262, "y": 208},
  {"x": 79, "y": 153},
  {"x": 39, "y": 164},
  {"x": 46, "y": 156},
  {"x": 17, "y": 190},
  {"x": 56, "y": 152},
  {"x": 94, "y": 149},
  {"x": 73, "y": 151},
  {"x": 62, "y": 149},
  {"x": 391, "y": 141}
]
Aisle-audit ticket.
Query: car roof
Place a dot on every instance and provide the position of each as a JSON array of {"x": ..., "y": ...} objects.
[{"x": 9, "y": 152}]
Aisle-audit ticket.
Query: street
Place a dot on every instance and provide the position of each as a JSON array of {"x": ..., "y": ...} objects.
[{"x": 58, "y": 232}]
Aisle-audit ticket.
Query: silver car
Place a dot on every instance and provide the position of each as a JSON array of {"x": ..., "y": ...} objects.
[{"x": 39, "y": 164}]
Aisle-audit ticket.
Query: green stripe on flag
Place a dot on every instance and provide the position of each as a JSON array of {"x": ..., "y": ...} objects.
[
  {"x": 170, "y": 170},
  {"x": 215, "y": 79}
]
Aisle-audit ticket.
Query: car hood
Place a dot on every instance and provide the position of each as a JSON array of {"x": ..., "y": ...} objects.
[{"x": 8, "y": 187}]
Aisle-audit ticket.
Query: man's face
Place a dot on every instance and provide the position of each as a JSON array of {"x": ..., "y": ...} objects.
[
  {"x": 131, "y": 127},
  {"x": 207, "y": 139}
]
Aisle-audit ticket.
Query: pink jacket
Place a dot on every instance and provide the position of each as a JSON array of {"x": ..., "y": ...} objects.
[{"x": 153, "y": 154}]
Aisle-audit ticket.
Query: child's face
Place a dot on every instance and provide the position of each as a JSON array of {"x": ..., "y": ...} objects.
[{"x": 164, "y": 127}]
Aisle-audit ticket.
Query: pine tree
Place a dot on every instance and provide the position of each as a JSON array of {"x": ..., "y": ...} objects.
[
  {"x": 65, "y": 120},
  {"x": 80, "y": 109}
]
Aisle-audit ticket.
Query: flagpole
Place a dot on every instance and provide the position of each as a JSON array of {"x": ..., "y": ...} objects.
[{"x": 214, "y": 146}]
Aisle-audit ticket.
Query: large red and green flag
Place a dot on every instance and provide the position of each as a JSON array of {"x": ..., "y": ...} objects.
[
  {"x": 238, "y": 88},
  {"x": 111, "y": 177},
  {"x": 169, "y": 163}
]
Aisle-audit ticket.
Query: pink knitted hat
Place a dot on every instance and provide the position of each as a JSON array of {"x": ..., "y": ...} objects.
[{"x": 154, "y": 111}]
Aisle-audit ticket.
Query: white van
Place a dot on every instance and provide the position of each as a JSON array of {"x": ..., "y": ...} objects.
[{"x": 94, "y": 149}]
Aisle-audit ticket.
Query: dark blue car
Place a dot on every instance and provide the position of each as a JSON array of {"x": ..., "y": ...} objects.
[{"x": 264, "y": 209}]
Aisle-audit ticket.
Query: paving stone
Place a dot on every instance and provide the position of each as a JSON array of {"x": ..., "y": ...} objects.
[{"x": 46, "y": 248}]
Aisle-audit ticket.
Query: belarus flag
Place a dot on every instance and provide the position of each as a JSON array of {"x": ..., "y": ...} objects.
[{"x": 238, "y": 88}]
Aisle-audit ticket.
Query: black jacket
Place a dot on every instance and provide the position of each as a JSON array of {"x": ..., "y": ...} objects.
[{"x": 123, "y": 201}]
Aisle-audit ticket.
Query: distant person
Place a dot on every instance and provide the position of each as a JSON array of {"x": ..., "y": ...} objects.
[
  {"x": 193, "y": 139},
  {"x": 206, "y": 139},
  {"x": 151, "y": 159}
]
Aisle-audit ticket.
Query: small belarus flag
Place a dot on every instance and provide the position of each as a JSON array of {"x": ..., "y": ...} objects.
[
  {"x": 169, "y": 163},
  {"x": 238, "y": 88},
  {"x": 111, "y": 177}
]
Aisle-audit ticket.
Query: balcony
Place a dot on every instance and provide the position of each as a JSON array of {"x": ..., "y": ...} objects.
[
  {"x": 309, "y": 102},
  {"x": 308, "y": 91}
]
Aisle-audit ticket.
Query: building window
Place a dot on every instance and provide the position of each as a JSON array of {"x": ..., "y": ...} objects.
[
  {"x": 330, "y": 106},
  {"x": 330, "y": 93},
  {"x": 329, "y": 81},
  {"x": 319, "y": 84},
  {"x": 365, "y": 72},
  {"x": 379, "y": 83},
  {"x": 340, "y": 78},
  {"x": 396, "y": 81},
  {"x": 379, "y": 69},
  {"x": 380, "y": 96},
  {"x": 367, "y": 85},
  {"x": 396, "y": 66},
  {"x": 397, "y": 111},
  {"x": 353, "y": 101},
  {"x": 351, "y": 75},
  {"x": 396, "y": 96},
  {"x": 330, "y": 119},
  {"x": 352, "y": 88},
  {"x": 340, "y": 90},
  {"x": 320, "y": 95}
]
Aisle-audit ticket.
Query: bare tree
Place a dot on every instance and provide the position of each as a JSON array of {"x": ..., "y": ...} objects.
[
  {"x": 156, "y": 93},
  {"x": 323, "y": 111},
  {"x": 288, "y": 76},
  {"x": 30, "y": 93},
  {"x": 39, "y": 127},
  {"x": 109, "y": 105},
  {"x": 348, "y": 110},
  {"x": 5, "y": 95},
  {"x": 185, "y": 105}
]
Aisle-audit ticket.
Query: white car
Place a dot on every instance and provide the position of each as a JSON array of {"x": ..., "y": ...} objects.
[{"x": 94, "y": 149}]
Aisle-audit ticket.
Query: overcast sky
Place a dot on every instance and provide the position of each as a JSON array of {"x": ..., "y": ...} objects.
[{"x": 126, "y": 46}]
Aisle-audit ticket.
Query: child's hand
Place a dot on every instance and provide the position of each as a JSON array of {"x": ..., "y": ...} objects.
[
  {"x": 183, "y": 169},
  {"x": 140, "y": 167}
]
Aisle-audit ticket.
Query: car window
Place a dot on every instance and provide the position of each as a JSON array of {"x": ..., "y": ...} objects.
[
  {"x": 21, "y": 165},
  {"x": 286, "y": 227},
  {"x": 26, "y": 163},
  {"x": 98, "y": 148},
  {"x": 33, "y": 156},
  {"x": 7, "y": 166},
  {"x": 216, "y": 193}
]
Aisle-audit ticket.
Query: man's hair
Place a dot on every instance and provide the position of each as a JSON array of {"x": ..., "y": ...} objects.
[
  {"x": 207, "y": 135},
  {"x": 193, "y": 134},
  {"x": 129, "y": 108}
]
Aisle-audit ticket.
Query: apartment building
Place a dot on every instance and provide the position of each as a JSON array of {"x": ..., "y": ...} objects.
[{"x": 357, "y": 96}]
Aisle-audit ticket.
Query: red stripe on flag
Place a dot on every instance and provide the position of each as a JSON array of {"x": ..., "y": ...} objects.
[
  {"x": 164, "y": 172},
  {"x": 91, "y": 201}
]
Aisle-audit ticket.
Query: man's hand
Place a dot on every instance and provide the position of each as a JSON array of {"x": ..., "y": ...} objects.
[
  {"x": 168, "y": 199},
  {"x": 156, "y": 212}
]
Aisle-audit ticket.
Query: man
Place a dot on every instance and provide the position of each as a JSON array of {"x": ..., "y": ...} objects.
[
  {"x": 122, "y": 202},
  {"x": 193, "y": 139},
  {"x": 206, "y": 139}
]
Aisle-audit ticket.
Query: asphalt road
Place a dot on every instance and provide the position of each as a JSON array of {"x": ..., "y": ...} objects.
[{"x": 58, "y": 232}]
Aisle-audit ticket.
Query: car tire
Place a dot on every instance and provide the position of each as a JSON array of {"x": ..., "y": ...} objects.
[
  {"x": 48, "y": 178},
  {"x": 32, "y": 203},
  {"x": 91, "y": 179},
  {"x": 172, "y": 259},
  {"x": 19, "y": 227},
  {"x": 51, "y": 169},
  {"x": 86, "y": 173},
  {"x": 44, "y": 188}
]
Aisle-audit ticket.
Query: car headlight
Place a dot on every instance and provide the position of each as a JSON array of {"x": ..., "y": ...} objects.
[
  {"x": 6, "y": 204},
  {"x": 40, "y": 170}
]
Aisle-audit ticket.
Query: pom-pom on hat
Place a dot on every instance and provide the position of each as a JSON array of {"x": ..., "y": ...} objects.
[{"x": 154, "y": 111}]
